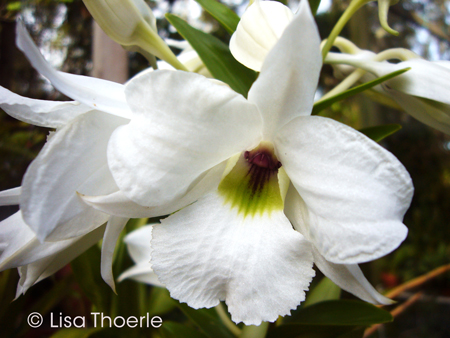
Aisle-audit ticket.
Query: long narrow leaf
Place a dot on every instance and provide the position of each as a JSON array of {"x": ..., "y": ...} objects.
[
  {"x": 216, "y": 56},
  {"x": 378, "y": 133},
  {"x": 314, "y": 4},
  {"x": 325, "y": 290},
  {"x": 318, "y": 107},
  {"x": 224, "y": 15}
]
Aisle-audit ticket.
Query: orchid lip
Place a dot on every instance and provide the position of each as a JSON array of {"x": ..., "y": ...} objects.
[
  {"x": 252, "y": 185},
  {"x": 263, "y": 159}
]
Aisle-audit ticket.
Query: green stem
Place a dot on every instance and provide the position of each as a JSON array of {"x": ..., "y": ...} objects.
[
  {"x": 348, "y": 13},
  {"x": 252, "y": 331},
  {"x": 150, "y": 41},
  {"x": 227, "y": 321}
]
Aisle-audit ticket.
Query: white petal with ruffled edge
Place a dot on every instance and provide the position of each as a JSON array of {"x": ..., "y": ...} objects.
[
  {"x": 348, "y": 277},
  {"x": 258, "y": 31},
  {"x": 57, "y": 255},
  {"x": 177, "y": 134},
  {"x": 74, "y": 159},
  {"x": 99, "y": 94},
  {"x": 289, "y": 76},
  {"x": 208, "y": 252},
  {"x": 355, "y": 191},
  {"x": 50, "y": 114}
]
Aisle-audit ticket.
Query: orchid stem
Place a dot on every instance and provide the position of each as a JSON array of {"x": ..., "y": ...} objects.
[
  {"x": 344, "y": 85},
  {"x": 227, "y": 321},
  {"x": 348, "y": 13},
  {"x": 253, "y": 331}
]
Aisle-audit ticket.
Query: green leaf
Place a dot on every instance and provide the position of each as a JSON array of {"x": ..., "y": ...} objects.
[
  {"x": 321, "y": 105},
  {"x": 176, "y": 330},
  {"x": 293, "y": 330},
  {"x": 207, "y": 321},
  {"x": 216, "y": 56},
  {"x": 224, "y": 15},
  {"x": 86, "y": 268},
  {"x": 314, "y": 4},
  {"x": 325, "y": 290},
  {"x": 342, "y": 312},
  {"x": 378, "y": 133},
  {"x": 76, "y": 333}
]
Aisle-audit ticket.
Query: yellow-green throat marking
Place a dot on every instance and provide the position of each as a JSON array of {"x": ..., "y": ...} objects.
[{"x": 252, "y": 185}]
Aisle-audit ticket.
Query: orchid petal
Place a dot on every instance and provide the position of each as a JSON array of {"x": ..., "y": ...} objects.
[
  {"x": 175, "y": 136},
  {"x": 96, "y": 93},
  {"x": 55, "y": 256},
  {"x": 10, "y": 196},
  {"x": 258, "y": 31},
  {"x": 346, "y": 276},
  {"x": 15, "y": 236},
  {"x": 425, "y": 79},
  {"x": 355, "y": 191},
  {"x": 207, "y": 252},
  {"x": 19, "y": 245},
  {"x": 73, "y": 159},
  {"x": 142, "y": 273},
  {"x": 138, "y": 245},
  {"x": 431, "y": 113},
  {"x": 288, "y": 80},
  {"x": 350, "y": 278},
  {"x": 118, "y": 204},
  {"x": 113, "y": 229},
  {"x": 50, "y": 114}
]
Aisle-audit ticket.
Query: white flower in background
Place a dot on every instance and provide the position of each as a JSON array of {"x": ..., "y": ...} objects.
[
  {"x": 73, "y": 160},
  {"x": 138, "y": 246},
  {"x": 132, "y": 24},
  {"x": 422, "y": 91},
  {"x": 259, "y": 29},
  {"x": 236, "y": 242}
]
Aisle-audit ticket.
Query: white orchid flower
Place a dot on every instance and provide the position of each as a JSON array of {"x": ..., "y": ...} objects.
[
  {"x": 138, "y": 246},
  {"x": 259, "y": 29},
  {"x": 422, "y": 91},
  {"x": 72, "y": 161},
  {"x": 235, "y": 242}
]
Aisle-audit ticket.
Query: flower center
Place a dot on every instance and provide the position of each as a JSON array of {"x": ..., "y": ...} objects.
[{"x": 252, "y": 185}]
